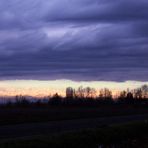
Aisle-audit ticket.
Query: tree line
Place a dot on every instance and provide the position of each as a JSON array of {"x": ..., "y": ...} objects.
[
  {"x": 87, "y": 96},
  {"x": 88, "y": 92}
]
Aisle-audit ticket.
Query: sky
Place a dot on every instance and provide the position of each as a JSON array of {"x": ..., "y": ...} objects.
[
  {"x": 78, "y": 40},
  {"x": 37, "y": 88}
]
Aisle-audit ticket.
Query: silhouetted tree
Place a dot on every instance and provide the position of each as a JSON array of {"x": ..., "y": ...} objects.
[
  {"x": 144, "y": 90},
  {"x": 70, "y": 92},
  {"x": 55, "y": 100},
  {"x": 105, "y": 93},
  {"x": 89, "y": 92},
  {"x": 21, "y": 100},
  {"x": 129, "y": 95},
  {"x": 80, "y": 92},
  {"x": 123, "y": 94},
  {"x": 141, "y": 92},
  {"x": 138, "y": 94}
]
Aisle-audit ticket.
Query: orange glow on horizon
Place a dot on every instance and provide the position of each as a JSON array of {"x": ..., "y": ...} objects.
[{"x": 46, "y": 88}]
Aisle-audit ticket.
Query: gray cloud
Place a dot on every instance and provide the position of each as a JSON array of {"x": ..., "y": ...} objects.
[{"x": 74, "y": 39}]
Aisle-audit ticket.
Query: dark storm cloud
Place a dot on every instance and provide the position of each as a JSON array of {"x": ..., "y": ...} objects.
[
  {"x": 100, "y": 10},
  {"x": 74, "y": 39}
]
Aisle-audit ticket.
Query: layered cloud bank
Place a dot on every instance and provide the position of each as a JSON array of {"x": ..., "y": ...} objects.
[{"x": 74, "y": 39}]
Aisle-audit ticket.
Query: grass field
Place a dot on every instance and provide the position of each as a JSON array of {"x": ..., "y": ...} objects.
[
  {"x": 15, "y": 115},
  {"x": 133, "y": 135}
]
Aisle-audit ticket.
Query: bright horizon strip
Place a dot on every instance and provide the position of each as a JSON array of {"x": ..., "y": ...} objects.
[{"x": 40, "y": 88}]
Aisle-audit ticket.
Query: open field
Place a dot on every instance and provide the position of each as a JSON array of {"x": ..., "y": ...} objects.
[
  {"x": 57, "y": 127},
  {"x": 61, "y": 126},
  {"x": 16, "y": 115},
  {"x": 132, "y": 135}
]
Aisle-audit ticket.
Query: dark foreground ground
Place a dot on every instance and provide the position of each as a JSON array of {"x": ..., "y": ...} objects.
[
  {"x": 131, "y": 135},
  {"x": 18, "y": 114},
  {"x": 56, "y": 127},
  {"x": 61, "y": 126}
]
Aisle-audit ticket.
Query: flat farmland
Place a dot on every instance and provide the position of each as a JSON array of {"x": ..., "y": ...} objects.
[{"x": 16, "y": 115}]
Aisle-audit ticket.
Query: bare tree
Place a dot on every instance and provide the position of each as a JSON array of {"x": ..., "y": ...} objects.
[
  {"x": 123, "y": 94},
  {"x": 144, "y": 89},
  {"x": 80, "y": 92},
  {"x": 141, "y": 92},
  {"x": 138, "y": 94},
  {"x": 89, "y": 92},
  {"x": 105, "y": 93}
]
